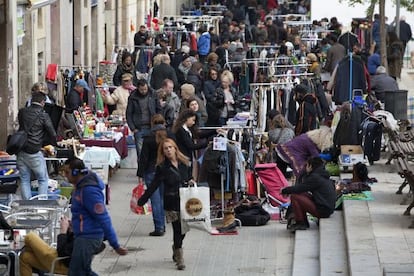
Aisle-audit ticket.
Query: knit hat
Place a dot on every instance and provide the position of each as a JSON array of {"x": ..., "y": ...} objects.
[{"x": 381, "y": 70}]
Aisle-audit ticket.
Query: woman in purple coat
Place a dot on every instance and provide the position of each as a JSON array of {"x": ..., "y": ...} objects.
[{"x": 298, "y": 150}]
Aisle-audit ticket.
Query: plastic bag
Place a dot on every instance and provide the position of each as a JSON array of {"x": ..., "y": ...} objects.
[{"x": 137, "y": 192}]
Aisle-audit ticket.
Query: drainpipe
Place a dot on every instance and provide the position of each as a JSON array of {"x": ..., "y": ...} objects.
[
  {"x": 116, "y": 24},
  {"x": 73, "y": 32}
]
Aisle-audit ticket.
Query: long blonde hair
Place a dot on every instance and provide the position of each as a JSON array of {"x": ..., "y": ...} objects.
[{"x": 180, "y": 156}]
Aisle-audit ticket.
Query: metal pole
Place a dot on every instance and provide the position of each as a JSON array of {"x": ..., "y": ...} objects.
[
  {"x": 397, "y": 18},
  {"x": 116, "y": 23}
]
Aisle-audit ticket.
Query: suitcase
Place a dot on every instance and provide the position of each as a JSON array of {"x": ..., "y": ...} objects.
[{"x": 371, "y": 139}]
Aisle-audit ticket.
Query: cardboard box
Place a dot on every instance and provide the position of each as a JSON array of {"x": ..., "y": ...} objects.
[
  {"x": 350, "y": 155},
  {"x": 351, "y": 149}
]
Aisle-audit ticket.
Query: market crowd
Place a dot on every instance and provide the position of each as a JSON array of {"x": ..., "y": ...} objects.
[{"x": 168, "y": 90}]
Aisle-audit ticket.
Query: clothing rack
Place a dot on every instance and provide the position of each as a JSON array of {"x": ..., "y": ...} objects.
[
  {"x": 301, "y": 16},
  {"x": 286, "y": 65},
  {"x": 262, "y": 46},
  {"x": 299, "y": 23},
  {"x": 270, "y": 83},
  {"x": 249, "y": 161},
  {"x": 77, "y": 66}
]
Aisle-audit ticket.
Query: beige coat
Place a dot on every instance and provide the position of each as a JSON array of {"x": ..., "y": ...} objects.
[{"x": 120, "y": 98}]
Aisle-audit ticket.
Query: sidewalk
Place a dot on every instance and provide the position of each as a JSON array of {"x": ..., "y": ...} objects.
[{"x": 262, "y": 250}]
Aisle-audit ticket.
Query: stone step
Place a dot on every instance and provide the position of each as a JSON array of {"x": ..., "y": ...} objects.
[
  {"x": 333, "y": 259},
  {"x": 363, "y": 258},
  {"x": 306, "y": 252},
  {"x": 399, "y": 269}
]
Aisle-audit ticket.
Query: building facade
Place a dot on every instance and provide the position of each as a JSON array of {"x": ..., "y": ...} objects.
[{"x": 69, "y": 33}]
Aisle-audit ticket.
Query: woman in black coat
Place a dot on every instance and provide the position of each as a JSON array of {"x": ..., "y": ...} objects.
[
  {"x": 126, "y": 66},
  {"x": 314, "y": 194},
  {"x": 212, "y": 83},
  {"x": 172, "y": 172},
  {"x": 186, "y": 134}
]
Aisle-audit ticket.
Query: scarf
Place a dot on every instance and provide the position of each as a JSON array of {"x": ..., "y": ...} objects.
[{"x": 184, "y": 70}]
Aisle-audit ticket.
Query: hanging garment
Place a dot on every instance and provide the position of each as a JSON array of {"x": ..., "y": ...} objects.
[
  {"x": 51, "y": 72},
  {"x": 342, "y": 89}
]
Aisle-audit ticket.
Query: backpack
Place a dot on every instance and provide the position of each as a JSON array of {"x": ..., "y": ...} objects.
[{"x": 252, "y": 214}]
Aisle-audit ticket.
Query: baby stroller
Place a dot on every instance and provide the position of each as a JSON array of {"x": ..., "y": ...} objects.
[{"x": 273, "y": 180}]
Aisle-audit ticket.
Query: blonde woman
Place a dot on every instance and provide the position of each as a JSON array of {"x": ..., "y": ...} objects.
[{"x": 172, "y": 170}]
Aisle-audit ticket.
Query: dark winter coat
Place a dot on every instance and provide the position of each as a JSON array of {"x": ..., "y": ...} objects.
[
  {"x": 172, "y": 178},
  {"x": 210, "y": 87},
  {"x": 148, "y": 156},
  {"x": 38, "y": 126},
  {"x": 405, "y": 31},
  {"x": 394, "y": 58},
  {"x": 322, "y": 188},
  {"x": 197, "y": 81},
  {"x": 160, "y": 73},
  {"x": 120, "y": 70},
  {"x": 133, "y": 112},
  {"x": 186, "y": 143},
  {"x": 359, "y": 82},
  {"x": 306, "y": 115}
]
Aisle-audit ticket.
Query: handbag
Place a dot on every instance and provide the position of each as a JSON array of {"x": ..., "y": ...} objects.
[
  {"x": 16, "y": 141},
  {"x": 137, "y": 192},
  {"x": 195, "y": 204}
]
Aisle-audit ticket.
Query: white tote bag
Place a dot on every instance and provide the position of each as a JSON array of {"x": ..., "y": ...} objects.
[
  {"x": 195, "y": 206},
  {"x": 194, "y": 203}
]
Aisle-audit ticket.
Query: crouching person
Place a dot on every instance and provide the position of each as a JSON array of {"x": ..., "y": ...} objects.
[
  {"x": 38, "y": 255},
  {"x": 314, "y": 193}
]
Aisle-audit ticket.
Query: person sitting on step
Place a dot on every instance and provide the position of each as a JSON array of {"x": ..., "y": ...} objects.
[{"x": 314, "y": 193}]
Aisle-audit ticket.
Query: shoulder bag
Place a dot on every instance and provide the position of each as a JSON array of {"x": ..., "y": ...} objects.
[{"x": 16, "y": 141}]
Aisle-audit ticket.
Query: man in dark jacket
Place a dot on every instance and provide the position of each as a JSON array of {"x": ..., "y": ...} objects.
[
  {"x": 314, "y": 194},
  {"x": 76, "y": 95},
  {"x": 382, "y": 82},
  {"x": 142, "y": 105},
  {"x": 141, "y": 36},
  {"x": 163, "y": 71},
  {"x": 405, "y": 32},
  {"x": 90, "y": 219},
  {"x": 37, "y": 124}
]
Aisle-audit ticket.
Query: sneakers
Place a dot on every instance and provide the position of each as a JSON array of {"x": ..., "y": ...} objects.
[{"x": 157, "y": 233}]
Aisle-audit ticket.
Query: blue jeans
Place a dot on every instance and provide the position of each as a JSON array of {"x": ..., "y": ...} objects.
[
  {"x": 32, "y": 163},
  {"x": 157, "y": 203},
  {"x": 139, "y": 138},
  {"x": 82, "y": 254}
]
